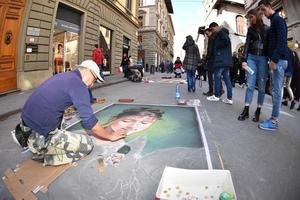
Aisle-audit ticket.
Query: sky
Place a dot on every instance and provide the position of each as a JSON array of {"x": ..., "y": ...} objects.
[{"x": 188, "y": 16}]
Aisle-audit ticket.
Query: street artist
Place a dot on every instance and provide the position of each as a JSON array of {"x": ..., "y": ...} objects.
[{"x": 41, "y": 117}]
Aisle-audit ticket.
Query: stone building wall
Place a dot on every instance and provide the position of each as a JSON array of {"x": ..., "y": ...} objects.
[{"x": 38, "y": 28}]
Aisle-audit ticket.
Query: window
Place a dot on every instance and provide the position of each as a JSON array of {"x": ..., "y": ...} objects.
[
  {"x": 140, "y": 39},
  {"x": 129, "y": 5},
  {"x": 240, "y": 25},
  {"x": 140, "y": 20},
  {"x": 126, "y": 45}
]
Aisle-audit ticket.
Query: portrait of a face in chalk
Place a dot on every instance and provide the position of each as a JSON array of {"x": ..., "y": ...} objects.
[
  {"x": 151, "y": 127},
  {"x": 134, "y": 120}
]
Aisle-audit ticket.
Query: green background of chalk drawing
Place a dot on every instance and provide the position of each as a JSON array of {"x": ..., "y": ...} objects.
[{"x": 178, "y": 127}]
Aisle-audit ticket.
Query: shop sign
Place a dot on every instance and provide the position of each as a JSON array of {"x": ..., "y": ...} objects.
[
  {"x": 67, "y": 26},
  {"x": 33, "y": 31}
]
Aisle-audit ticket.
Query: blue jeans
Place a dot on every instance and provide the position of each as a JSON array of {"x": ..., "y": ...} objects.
[
  {"x": 277, "y": 81},
  {"x": 191, "y": 80},
  {"x": 219, "y": 71},
  {"x": 260, "y": 67},
  {"x": 101, "y": 71}
]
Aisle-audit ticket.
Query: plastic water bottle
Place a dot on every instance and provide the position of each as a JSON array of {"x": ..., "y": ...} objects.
[
  {"x": 249, "y": 70},
  {"x": 177, "y": 93}
]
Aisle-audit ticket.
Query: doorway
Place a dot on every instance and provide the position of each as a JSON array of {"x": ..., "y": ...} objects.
[
  {"x": 66, "y": 38},
  {"x": 65, "y": 50},
  {"x": 105, "y": 41},
  {"x": 9, "y": 30}
]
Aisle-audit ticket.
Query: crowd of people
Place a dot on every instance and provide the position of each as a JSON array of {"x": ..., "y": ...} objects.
[{"x": 266, "y": 62}]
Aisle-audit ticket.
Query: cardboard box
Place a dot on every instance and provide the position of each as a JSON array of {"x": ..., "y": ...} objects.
[
  {"x": 194, "y": 184},
  {"x": 31, "y": 177}
]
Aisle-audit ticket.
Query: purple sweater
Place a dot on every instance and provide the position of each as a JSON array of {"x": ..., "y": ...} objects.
[{"x": 44, "y": 109}]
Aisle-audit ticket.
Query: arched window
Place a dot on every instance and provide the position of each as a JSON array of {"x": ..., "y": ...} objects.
[{"x": 240, "y": 25}]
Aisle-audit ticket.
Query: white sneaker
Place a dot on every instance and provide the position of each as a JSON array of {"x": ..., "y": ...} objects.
[
  {"x": 213, "y": 98},
  {"x": 227, "y": 101}
]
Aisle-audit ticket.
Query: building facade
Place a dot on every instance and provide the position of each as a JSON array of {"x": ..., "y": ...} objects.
[
  {"x": 156, "y": 32},
  {"x": 44, "y": 34},
  {"x": 231, "y": 15},
  {"x": 289, "y": 10}
]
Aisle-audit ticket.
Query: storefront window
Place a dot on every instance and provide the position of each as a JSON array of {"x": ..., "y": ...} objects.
[
  {"x": 126, "y": 45},
  {"x": 66, "y": 39},
  {"x": 105, "y": 46}
]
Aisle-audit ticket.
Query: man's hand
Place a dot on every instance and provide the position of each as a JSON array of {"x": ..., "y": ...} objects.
[
  {"x": 99, "y": 132},
  {"x": 272, "y": 65},
  {"x": 244, "y": 65},
  {"x": 117, "y": 135}
]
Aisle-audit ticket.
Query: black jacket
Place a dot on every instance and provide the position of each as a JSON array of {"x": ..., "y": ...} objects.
[
  {"x": 222, "y": 55},
  {"x": 277, "y": 44},
  {"x": 209, "y": 54},
  {"x": 256, "y": 42}
]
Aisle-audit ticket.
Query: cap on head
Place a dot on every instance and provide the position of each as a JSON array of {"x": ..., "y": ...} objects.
[{"x": 91, "y": 65}]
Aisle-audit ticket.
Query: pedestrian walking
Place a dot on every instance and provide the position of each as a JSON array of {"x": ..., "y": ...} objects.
[
  {"x": 255, "y": 58},
  {"x": 222, "y": 61},
  {"x": 234, "y": 69},
  {"x": 288, "y": 92},
  {"x": 296, "y": 79},
  {"x": 277, "y": 53},
  {"x": 98, "y": 58},
  {"x": 125, "y": 65},
  {"x": 209, "y": 62},
  {"x": 42, "y": 115},
  {"x": 178, "y": 68},
  {"x": 191, "y": 61}
]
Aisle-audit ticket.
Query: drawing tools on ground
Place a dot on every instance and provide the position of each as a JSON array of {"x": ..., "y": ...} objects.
[
  {"x": 124, "y": 100},
  {"x": 124, "y": 149},
  {"x": 100, "y": 100}
]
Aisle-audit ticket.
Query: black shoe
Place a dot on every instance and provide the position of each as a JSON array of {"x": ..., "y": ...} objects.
[
  {"x": 93, "y": 100},
  {"x": 20, "y": 137},
  {"x": 298, "y": 108},
  {"x": 245, "y": 114},
  {"x": 256, "y": 115},
  {"x": 292, "y": 105},
  {"x": 38, "y": 157},
  {"x": 285, "y": 103},
  {"x": 208, "y": 93}
]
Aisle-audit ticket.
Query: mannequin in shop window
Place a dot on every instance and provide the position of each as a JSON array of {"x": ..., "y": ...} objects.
[{"x": 59, "y": 60}]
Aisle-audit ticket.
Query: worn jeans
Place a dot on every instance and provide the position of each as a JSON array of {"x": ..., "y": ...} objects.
[
  {"x": 191, "y": 80},
  {"x": 259, "y": 66},
  {"x": 222, "y": 71},
  {"x": 277, "y": 82}
]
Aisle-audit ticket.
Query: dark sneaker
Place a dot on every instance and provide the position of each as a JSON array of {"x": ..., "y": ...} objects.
[
  {"x": 292, "y": 105},
  {"x": 285, "y": 103},
  {"x": 208, "y": 93},
  {"x": 20, "y": 137},
  {"x": 38, "y": 157}
]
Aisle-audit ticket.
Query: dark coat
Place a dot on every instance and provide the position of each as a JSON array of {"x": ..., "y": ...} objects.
[
  {"x": 256, "y": 42},
  {"x": 209, "y": 55},
  {"x": 192, "y": 55},
  {"x": 222, "y": 55},
  {"x": 277, "y": 45}
]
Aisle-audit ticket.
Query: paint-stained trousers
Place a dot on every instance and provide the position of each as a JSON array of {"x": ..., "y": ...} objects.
[{"x": 60, "y": 147}]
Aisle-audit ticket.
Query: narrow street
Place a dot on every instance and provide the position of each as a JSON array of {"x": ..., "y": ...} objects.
[{"x": 263, "y": 165}]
